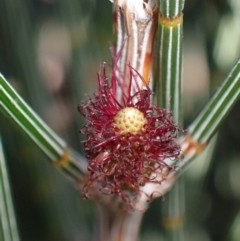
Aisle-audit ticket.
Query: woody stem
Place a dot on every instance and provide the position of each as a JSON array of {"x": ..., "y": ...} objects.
[{"x": 118, "y": 225}]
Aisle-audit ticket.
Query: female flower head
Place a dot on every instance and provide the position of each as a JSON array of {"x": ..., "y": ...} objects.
[{"x": 128, "y": 141}]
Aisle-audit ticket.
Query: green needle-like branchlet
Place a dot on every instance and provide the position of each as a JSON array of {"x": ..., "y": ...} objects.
[
  {"x": 8, "y": 227},
  {"x": 171, "y": 8},
  {"x": 208, "y": 121},
  {"x": 14, "y": 107},
  {"x": 168, "y": 93}
]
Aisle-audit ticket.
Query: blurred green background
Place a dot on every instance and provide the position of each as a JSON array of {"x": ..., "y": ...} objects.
[{"x": 51, "y": 51}]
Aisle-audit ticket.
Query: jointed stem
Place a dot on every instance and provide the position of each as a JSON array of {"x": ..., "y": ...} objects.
[
  {"x": 168, "y": 93},
  {"x": 8, "y": 226},
  {"x": 206, "y": 124},
  {"x": 49, "y": 142}
]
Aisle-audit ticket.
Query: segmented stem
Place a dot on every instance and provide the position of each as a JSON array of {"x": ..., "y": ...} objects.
[
  {"x": 171, "y": 8},
  {"x": 8, "y": 226},
  {"x": 168, "y": 90},
  {"x": 31, "y": 124},
  {"x": 170, "y": 65},
  {"x": 208, "y": 121}
]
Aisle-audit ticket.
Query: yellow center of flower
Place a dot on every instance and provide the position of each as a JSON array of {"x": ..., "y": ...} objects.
[{"x": 130, "y": 120}]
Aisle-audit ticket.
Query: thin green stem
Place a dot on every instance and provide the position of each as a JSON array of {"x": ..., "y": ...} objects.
[
  {"x": 173, "y": 212},
  {"x": 169, "y": 96},
  {"x": 171, "y": 8},
  {"x": 208, "y": 121},
  {"x": 170, "y": 66},
  {"x": 32, "y": 125},
  {"x": 8, "y": 225}
]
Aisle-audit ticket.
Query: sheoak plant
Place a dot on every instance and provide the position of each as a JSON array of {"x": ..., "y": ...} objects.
[{"x": 135, "y": 146}]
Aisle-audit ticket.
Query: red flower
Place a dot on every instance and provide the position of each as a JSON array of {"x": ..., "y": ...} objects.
[{"x": 128, "y": 140}]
